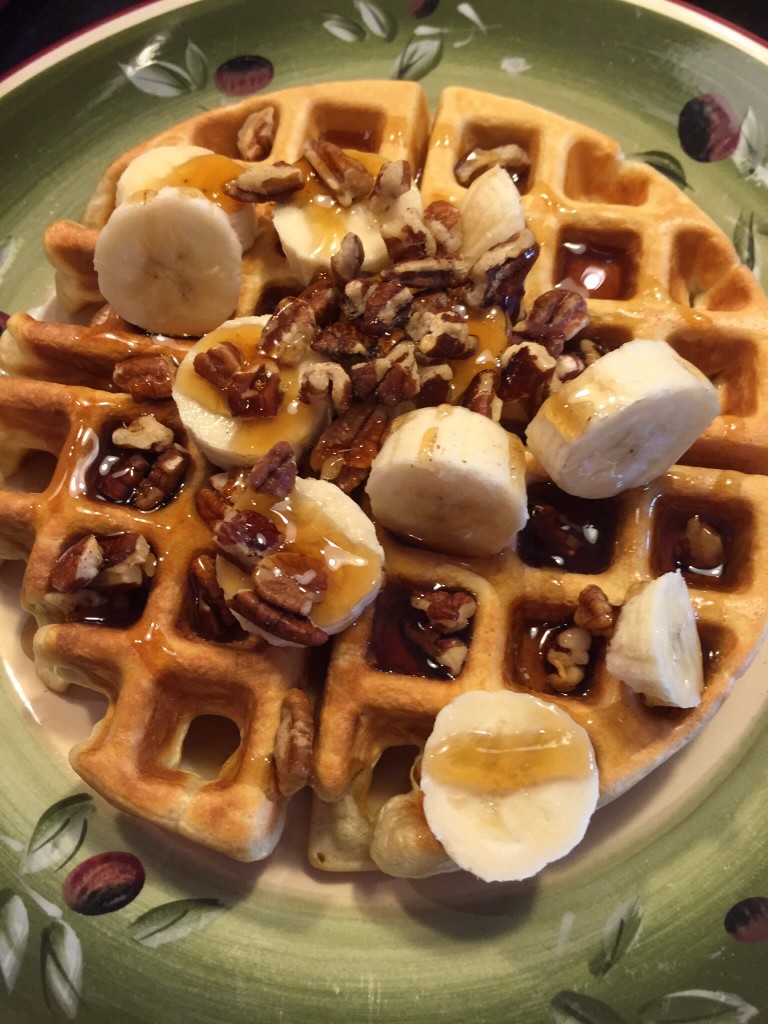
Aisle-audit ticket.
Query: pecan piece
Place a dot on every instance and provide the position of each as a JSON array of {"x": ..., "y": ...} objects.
[
  {"x": 594, "y": 612},
  {"x": 291, "y": 580},
  {"x": 145, "y": 433},
  {"x": 511, "y": 157},
  {"x": 257, "y": 134},
  {"x": 294, "y": 743},
  {"x": 219, "y": 364},
  {"x": 163, "y": 479},
  {"x": 524, "y": 368},
  {"x": 77, "y": 566},
  {"x": 447, "y": 337},
  {"x": 326, "y": 380},
  {"x": 277, "y": 622},
  {"x": 569, "y": 656},
  {"x": 347, "y": 260},
  {"x": 145, "y": 378},
  {"x": 214, "y": 619},
  {"x": 254, "y": 393},
  {"x": 245, "y": 536},
  {"x": 345, "y": 177},
  {"x": 324, "y": 299},
  {"x": 355, "y": 292},
  {"x": 128, "y": 561},
  {"x": 481, "y": 395},
  {"x": 265, "y": 182},
  {"x": 501, "y": 272},
  {"x": 448, "y": 611},
  {"x": 289, "y": 332},
  {"x": 433, "y": 274},
  {"x": 448, "y": 651},
  {"x": 347, "y": 447},
  {"x": 423, "y": 309},
  {"x": 434, "y": 385},
  {"x": 122, "y": 477},
  {"x": 407, "y": 237},
  {"x": 387, "y": 307},
  {"x": 342, "y": 339},
  {"x": 393, "y": 180},
  {"x": 557, "y": 316},
  {"x": 701, "y": 546},
  {"x": 211, "y": 505},
  {"x": 555, "y": 531},
  {"x": 390, "y": 379},
  {"x": 443, "y": 220},
  {"x": 275, "y": 472}
]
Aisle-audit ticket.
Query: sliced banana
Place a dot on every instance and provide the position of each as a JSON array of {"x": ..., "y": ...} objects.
[
  {"x": 509, "y": 783},
  {"x": 186, "y": 166},
  {"x": 452, "y": 480},
  {"x": 321, "y": 521},
  {"x": 170, "y": 262},
  {"x": 622, "y": 422},
  {"x": 235, "y": 441},
  {"x": 656, "y": 649},
  {"x": 491, "y": 212}
]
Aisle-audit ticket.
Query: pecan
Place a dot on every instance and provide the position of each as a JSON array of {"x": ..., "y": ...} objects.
[
  {"x": 145, "y": 378},
  {"x": 326, "y": 380},
  {"x": 345, "y": 177},
  {"x": 511, "y": 157},
  {"x": 448, "y": 651},
  {"x": 594, "y": 612},
  {"x": 289, "y": 332},
  {"x": 407, "y": 237},
  {"x": 254, "y": 393},
  {"x": 423, "y": 309},
  {"x": 355, "y": 292},
  {"x": 524, "y": 368},
  {"x": 448, "y": 611},
  {"x": 481, "y": 395},
  {"x": 557, "y": 316},
  {"x": 265, "y": 182},
  {"x": 324, "y": 299},
  {"x": 434, "y": 385},
  {"x": 144, "y": 433},
  {"x": 569, "y": 656},
  {"x": 163, "y": 479},
  {"x": 245, "y": 536},
  {"x": 447, "y": 337},
  {"x": 211, "y": 505},
  {"x": 387, "y": 307},
  {"x": 390, "y": 379},
  {"x": 555, "y": 531},
  {"x": 500, "y": 273},
  {"x": 256, "y": 134},
  {"x": 432, "y": 274},
  {"x": 122, "y": 477},
  {"x": 347, "y": 260},
  {"x": 342, "y": 339},
  {"x": 567, "y": 367},
  {"x": 347, "y": 447},
  {"x": 128, "y": 561},
  {"x": 275, "y": 472},
  {"x": 277, "y": 622},
  {"x": 443, "y": 220},
  {"x": 701, "y": 547},
  {"x": 215, "y": 620},
  {"x": 77, "y": 566},
  {"x": 590, "y": 351},
  {"x": 393, "y": 180},
  {"x": 291, "y": 580},
  {"x": 294, "y": 743},
  {"x": 219, "y": 364}
]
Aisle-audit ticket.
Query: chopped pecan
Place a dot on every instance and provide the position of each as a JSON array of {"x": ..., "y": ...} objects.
[
  {"x": 294, "y": 742},
  {"x": 245, "y": 536},
  {"x": 128, "y": 561},
  {"x": 434, "y": 385},
  {"x": 291, "y": 580},
  {"x": 557, "y": 316},
  {"x": 501, "y": 272},
  {"x": 407, "y": 237},
  {"x": 433, "y": 274},
  {"x": 326, "y": 380},
  {"x": 341, "y": 339},
  {"x": 511, "y": 157},
  {"x": 481, "y": 395},
  {"x": 443, "y": 219},
  {"x": 569, "y": 656},
  {"x": 219, "y": 364},
  {"x": 347, "y": 447},
  {"x": 594, "y": 612},
  {"x": 254, "y": 393},
  {"x": 265, "y": 182},
  {"x": 275, "y": 472},
  {"x": 448, "y": 611},
  {"x": 524, "y": 368},
  {"x": 119, "y": 481},
  {"x": 447, "y": 337},
  {"x": 256, "y": 134},
  {"x": 390, "y": 379},
  {"x": 345, "y": 176},
  {"x": 701, "y": 546},
  {"x": 289, "y": 332},
  {"x": 393, "y": 180},
  {"x": 277, "y": 622},
  {"x": 324, "y": 299},
  {"x": 145, "y": 433},
  {"x": 145, "y": 378},
  {"x": 214, "y": 619},
  {"x": 387, "y": 307},
  {"x": 76, "y": 567},
  {"x": 347, "y": 260},
  {"x": 163, "y": 479}
]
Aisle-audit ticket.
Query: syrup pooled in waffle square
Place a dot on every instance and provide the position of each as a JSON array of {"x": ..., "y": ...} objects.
[{"x": 125, "y": 545}]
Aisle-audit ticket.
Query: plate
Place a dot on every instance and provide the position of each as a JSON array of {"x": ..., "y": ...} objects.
[{"x": 662, "y": 914}]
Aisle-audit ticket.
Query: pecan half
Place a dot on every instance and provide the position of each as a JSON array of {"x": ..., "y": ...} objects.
[
  {"x": 569, "y": 656},
  {"x": 448, "y": 611},
  {"x": 76, "y": 567},
  {"x": 122, "y": 477},
  {"x": 265, "y": 182},
  {"x": 524, "y": 369},
  {"x": 701, "y": 546},
  {"x": 245, "y": 536},
  {"x": 277, "y": 622},
  {"x": 423, "y": 309},
  {"x": 145, "y": 433},
  {"x": 393, "y": 180},
  {"x": 432, "y": 274},
  {"x": 275, "y": 472},
  {"x": 324, "y": 299},
  {"x": 447, "y": 337},
  {"x": 501, "y": 272},
  {"x": 211, "y": 505},
  {"x": 481, "y": 395},
  {"x": 387, "y": 307},
  {"x": 163, "y": 479},
  {"x": 257, "y": 134},
  {"x": 321, "y": 381},
  {"x": 347, "y": 260},
  {"x": 219, "y": 364},
  {"x": 347, "y": 447},
  {"x": 443, "y": 220},
  {"x": 594, "y": 612},
  {"x": 434, "y": 385},
  {"x": 128, "y": 561},
  {"x": 355, "y": 292},
  {"x": 145, "y": 378},
  {"x": 511, "y": 157},
  {"x": 390, "y": 379},
  {"x": 555, "y": 531},
  {"x": 214, "y": 620},
  {"x": 557, "y": 316},
  {"x": 294, "y": 743},
  {"x": 407, "y": 237},
  {"x": 346, "y": 177},
  {"x": 341, "y": 339},
  {"x": 449, "y": 651},
  {"x": 289, "y": 332},
  {"x": 254, "y": 393},
  {"x": 291, "y": 580}
]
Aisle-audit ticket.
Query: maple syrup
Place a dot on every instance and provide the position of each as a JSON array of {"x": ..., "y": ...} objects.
[
  {"x": 568, "y": 533},
  {"x": 207, "y": 173},
  {"x": 671, "y": 551},
  {"x": 600, "y": 271}
]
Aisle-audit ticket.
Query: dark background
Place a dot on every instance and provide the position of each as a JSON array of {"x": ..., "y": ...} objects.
[{"x": 28, "y": 26}]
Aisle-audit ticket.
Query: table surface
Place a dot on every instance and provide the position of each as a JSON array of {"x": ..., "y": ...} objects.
[{"x": 28, "y": 26}]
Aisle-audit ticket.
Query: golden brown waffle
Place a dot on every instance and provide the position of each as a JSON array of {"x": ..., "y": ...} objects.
[{"x": 679, "y": 279}]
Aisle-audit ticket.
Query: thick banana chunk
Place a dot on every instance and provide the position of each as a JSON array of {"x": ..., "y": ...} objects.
[
  {"x": 625, "y": 420},
  {"x": 509, "y": 782},
  {"x": 656, "y": 649},
  {"x": 170, "y": 262},
  {"x": 452, "y": 480},
  {"x": 229, "y": 440},
  {"x": 491, "y": 212}
]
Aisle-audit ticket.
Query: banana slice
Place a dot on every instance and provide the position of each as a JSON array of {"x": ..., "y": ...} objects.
[
  {"x": 228, "y": 440},
  {"x": 509, "y": 783},
  {"x": 491, "y": 212},
  {"x": 656, "y": 649},
  {"x": 169, "y": 262},
  {"x": 625, "y": 420},
  {"x": 452, "y": 480},
  {"x": 320, "y": 521},
  {"x": 186, "y": 166}
]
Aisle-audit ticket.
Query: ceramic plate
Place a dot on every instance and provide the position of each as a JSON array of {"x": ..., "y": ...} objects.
[{"x": 659, "y": 916}]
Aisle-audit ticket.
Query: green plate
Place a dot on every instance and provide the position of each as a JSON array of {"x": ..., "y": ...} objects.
[{"x": 662, "y": 914}]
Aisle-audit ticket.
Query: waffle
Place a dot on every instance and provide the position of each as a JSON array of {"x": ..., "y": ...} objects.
[{"x": 679, "y": 280}]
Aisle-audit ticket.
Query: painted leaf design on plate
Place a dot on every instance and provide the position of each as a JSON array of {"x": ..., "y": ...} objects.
[
  {"x": 58, "y": 834},
  {"x": 471, "y": 14},
  {"x": 197, "y": 65},
  {"x": 61, "y": 964},
  {"x": 345, "y": 29},
  {"x": 159, "y": 78},
  {"x": 697, "y": 1005},
  {"x": 418, "y": 58},
  {"x": 576, "y": 1008},
  {"x": 379, "y": 22},
  {"x": 620, "y": 932},
  {"x": 750, "y": 148},
  {"x": 14, "y": 932},
  {"x": 666, "y": 164},
  {"x": 744, "y": 239},
  {"x": 170, "y": 922}
]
